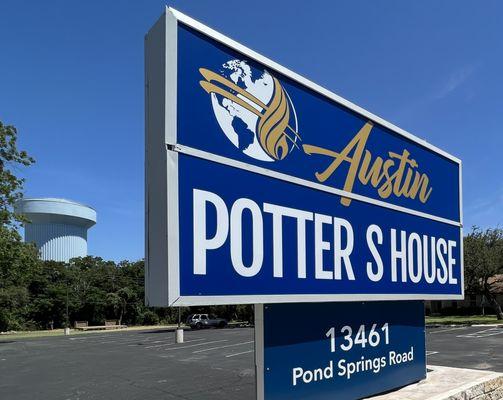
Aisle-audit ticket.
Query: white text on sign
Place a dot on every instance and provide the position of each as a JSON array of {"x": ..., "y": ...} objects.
[{"x": 414, "y": 257}]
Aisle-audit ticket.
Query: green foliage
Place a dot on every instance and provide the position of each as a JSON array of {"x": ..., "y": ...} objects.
[
  {"x": 48, "y": 294},
  {"x": 483, "y": 256},
  {"x": 37, "y": 294},
  {"x": 10, "y": 184},
  {"x": 101, "y": 290},
  {"x": 18, "y": 261},
  {"x": 462, "y": 319},
  {"x": 150, "y": 318}
]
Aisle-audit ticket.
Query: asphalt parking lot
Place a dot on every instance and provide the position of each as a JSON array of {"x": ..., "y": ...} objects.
[
  {"x": 466, "y": 347},
  {"x": 211, "y": 364}
]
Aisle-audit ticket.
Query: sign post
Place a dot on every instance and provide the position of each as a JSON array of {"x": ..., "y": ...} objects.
[{"x": 263, "y": 187}]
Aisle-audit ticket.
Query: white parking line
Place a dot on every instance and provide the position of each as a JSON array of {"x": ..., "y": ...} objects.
[
  {"x": 492, "y": 334},
  {"x": 88, "y": 337},
  {"x": 483, "y": 334},
  {"x": 222, "y": 347},
  {"x": 128, "y": 340},
  {"x": 194, "y": 345},
  {"x": 238, "y": 354},
  {"x": 448, "y": 330},
  {"x": 430, "y": 353},
  {"x": 167, "y": 344}
]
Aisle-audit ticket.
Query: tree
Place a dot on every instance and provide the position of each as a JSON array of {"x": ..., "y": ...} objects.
[
  {"x": 18, "y": 260},
  {"x": 483, "y": 251},
  {"x": 10, "y": 184},
  {"x": 120, "y": 300},
  {"x": 93, "y": 278},
  {"x": 48, "y": 289}
]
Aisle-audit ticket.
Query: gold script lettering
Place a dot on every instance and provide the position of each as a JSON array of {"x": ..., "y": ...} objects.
[
  {"x": 358, "y": 145},
  {"x": 403, "y": 181}
]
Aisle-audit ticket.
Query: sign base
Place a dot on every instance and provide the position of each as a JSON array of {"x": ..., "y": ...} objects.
[{"x": 348, "y": 350}]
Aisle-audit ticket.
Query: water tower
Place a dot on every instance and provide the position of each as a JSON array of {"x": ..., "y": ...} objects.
[{"x": 58, "y": 227}]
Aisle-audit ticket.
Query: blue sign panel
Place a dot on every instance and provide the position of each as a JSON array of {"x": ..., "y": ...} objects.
[
  {"x": 264, "y": 187},
  {"x": 232, "y": 106},
  {"x": 248, "y": 235},
  {"x": 347, "y": 350}
]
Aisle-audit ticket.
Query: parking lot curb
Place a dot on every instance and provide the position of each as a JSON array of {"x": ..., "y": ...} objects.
[
  {"x": 446, "y": 383},
  {"x": 429, "y": 326},
  {"x": 486, "y": 388}
]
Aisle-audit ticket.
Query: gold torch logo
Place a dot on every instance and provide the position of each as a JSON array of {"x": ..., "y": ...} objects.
[{"x": 259, "y": 106}]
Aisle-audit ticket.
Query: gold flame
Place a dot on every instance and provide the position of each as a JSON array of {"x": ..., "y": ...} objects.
[
  {"x": 273, "y": 120},
  {"x": 272, "y": 124}
]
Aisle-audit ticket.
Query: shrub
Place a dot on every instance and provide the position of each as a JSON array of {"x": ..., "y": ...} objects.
[{"x": 150, "y": 318}]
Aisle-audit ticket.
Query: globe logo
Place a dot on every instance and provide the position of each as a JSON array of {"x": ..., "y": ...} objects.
[{"x": 253, "y": 110}]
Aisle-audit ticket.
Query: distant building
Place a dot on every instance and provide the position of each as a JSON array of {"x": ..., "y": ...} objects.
[
  {"x": 472, "y": 304},
  {"x": 58, "y": 227}
]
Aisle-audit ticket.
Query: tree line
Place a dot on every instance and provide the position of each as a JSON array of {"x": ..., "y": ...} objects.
[{"x": 36, "y": 294}]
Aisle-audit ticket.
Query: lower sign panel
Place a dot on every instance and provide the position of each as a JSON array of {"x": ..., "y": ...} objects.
[
  {"x": 338, "y": 350},
  {"x": 248, "y": 238}
]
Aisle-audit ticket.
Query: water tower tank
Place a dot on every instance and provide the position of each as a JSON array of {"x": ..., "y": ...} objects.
[{"x": 58, "y": 227}]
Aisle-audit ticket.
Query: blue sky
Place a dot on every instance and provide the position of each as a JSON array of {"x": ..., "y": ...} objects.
[{"x": 71, "y": 81}]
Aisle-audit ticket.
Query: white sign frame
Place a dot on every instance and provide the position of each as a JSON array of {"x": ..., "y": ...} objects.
[{"x": 162, "y": 277}]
